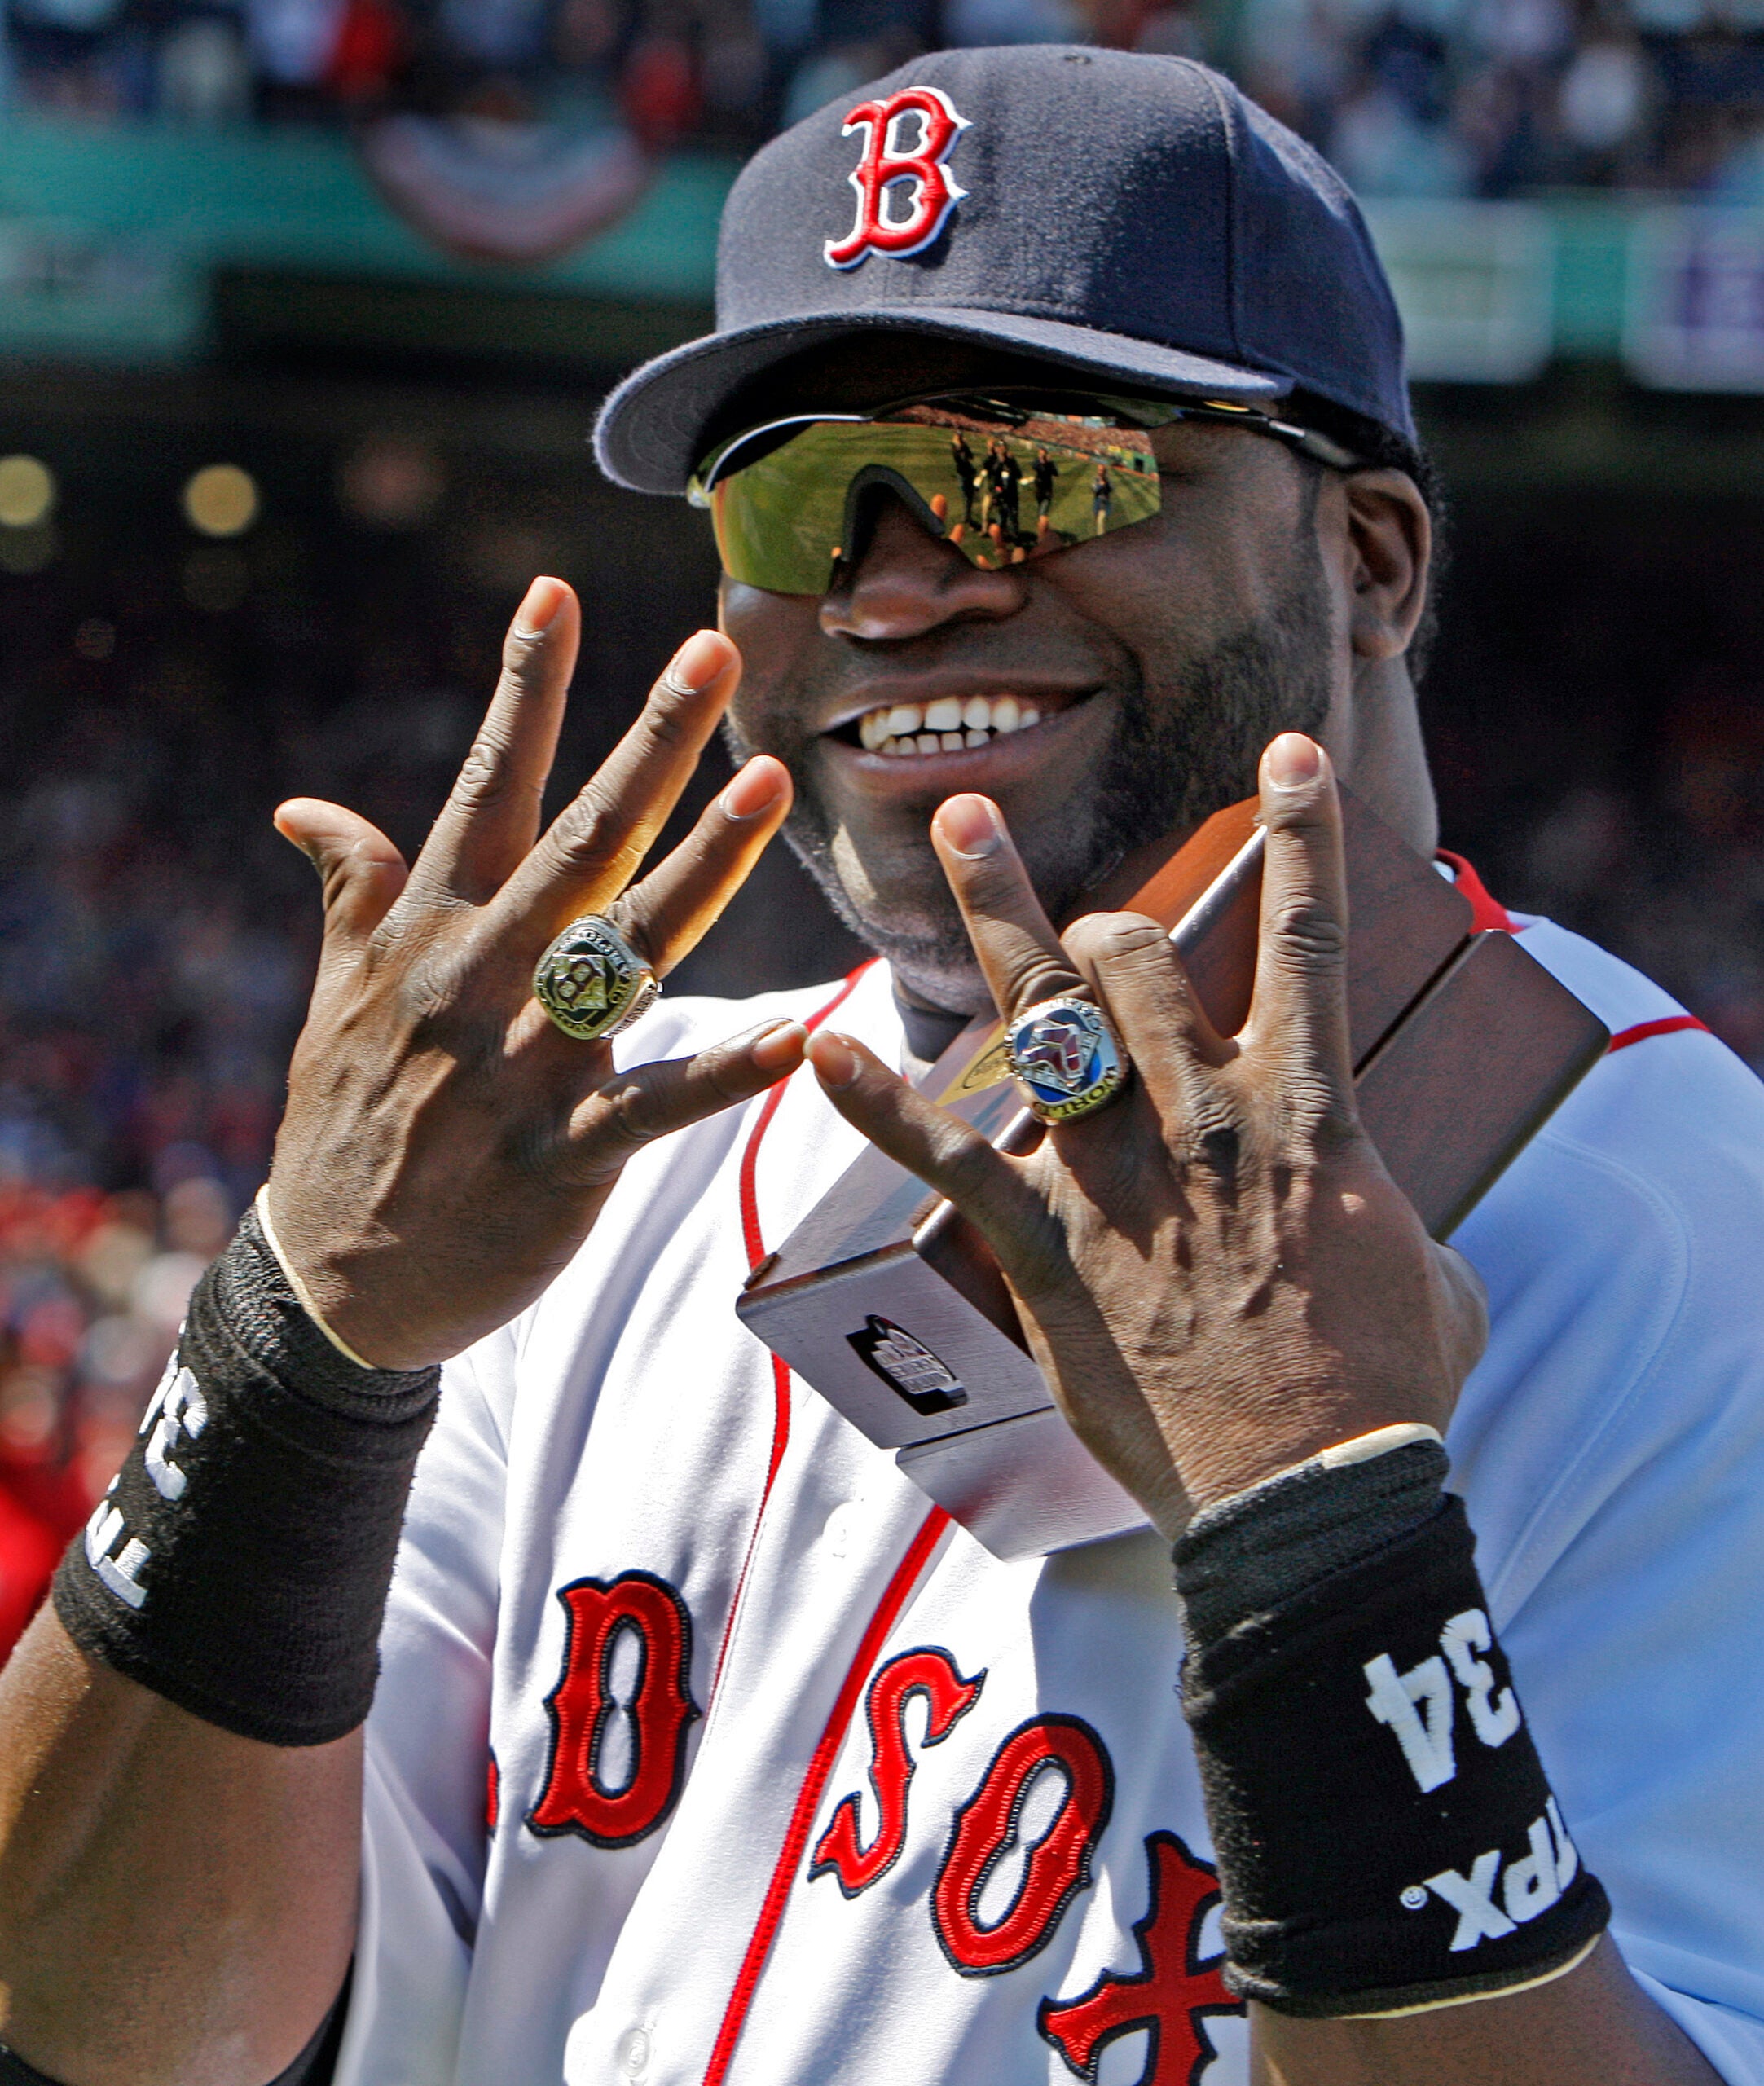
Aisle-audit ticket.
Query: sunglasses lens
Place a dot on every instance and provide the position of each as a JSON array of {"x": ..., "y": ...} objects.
[{"x": 1000, "y": 494}]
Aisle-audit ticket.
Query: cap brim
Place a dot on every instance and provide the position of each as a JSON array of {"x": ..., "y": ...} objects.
[{"x": 650, "y": 432}]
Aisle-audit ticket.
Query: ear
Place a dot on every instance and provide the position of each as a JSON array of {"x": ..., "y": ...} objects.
[{"x": 1390, "y": 539}]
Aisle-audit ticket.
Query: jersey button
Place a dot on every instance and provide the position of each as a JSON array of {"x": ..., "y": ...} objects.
[
  {"x": 841, "y": 1526},
  {"x": 632, "y": 2052}
]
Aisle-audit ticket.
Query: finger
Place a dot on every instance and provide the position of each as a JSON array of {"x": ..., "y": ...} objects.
[
  {"x": 674, "y": 908},
  {"x": 634, "y": 1108},
  {"x": 946, "y": 1153},
  {"x": 361, "y": 872},
  {"x": 594, "y": 847},
  {"x": 491, "y": 818},
  {"x": 1138, "y": 980},
  {"x": 1298, "y": 1009},
  {"x": 1019, "y": 953}
]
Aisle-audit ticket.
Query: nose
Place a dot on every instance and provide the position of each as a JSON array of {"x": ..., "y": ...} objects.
[{"x": 906, "y": 582}]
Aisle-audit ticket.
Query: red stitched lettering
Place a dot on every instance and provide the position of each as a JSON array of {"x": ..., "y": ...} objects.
[
  {"x": 887, "y": 164},
  {"x": 929, "y": 1674},
  {"x": 1171, "y": 1993},
  {"x": 1054, "y": 1869},
  {"x": 577, "y": 1797}
]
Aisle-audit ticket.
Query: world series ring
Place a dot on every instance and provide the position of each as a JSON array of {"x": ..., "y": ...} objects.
[
  {"x": 592, "y": 983},
  {"x": 1066, "y": 1056}
]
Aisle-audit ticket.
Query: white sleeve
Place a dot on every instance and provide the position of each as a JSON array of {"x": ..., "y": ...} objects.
[
  {"x": 424, "y": 1839},
  {"x": 1616, "y": 1479}
]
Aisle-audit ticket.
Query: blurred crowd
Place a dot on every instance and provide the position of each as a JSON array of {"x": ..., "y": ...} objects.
[
  {"x": 1419, "y": 98},
  {"x": 1494, "y": 98}
]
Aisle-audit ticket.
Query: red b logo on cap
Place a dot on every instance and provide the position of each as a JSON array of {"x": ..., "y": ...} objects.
[{"x": 888, "y": 162}]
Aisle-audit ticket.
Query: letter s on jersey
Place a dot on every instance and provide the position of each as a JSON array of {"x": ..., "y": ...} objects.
[
  {"x": 930, "y": 1674},
  {"x": 588, "y": 1705},
  {"x": 1053, "y": 1870}
]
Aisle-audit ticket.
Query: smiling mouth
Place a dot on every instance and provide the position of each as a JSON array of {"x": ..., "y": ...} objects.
[{"x": 952, "y": 723}]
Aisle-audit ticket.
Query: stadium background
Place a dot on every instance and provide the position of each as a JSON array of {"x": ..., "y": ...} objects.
[{"x": 304, "y": 307}]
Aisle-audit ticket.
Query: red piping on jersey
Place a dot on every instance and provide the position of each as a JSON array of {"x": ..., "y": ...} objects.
[
  {"x": 1485, "y": 912},
  {"x": 1670, "y": 1024},
  {"x": 814, "y": 1786},
  {"x": 753, "y": 1240}
]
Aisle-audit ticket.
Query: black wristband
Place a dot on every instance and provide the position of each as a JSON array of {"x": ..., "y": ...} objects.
[
  {"x": 1386, "y": 1837},
  {"x": 239, "y": 1563}
]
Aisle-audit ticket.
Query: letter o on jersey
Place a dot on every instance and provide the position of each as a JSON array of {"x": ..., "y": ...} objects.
[{"x": 987, "y": 1831}]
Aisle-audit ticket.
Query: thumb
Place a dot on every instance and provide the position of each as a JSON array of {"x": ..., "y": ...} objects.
[{"x": 361, "y": 871}]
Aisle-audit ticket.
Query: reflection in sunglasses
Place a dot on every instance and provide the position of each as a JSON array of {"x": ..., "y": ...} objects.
[{"x": 792, "y": 503}]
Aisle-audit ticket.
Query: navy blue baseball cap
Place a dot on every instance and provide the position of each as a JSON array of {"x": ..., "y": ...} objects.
[{"x": 1131, "y": 218}]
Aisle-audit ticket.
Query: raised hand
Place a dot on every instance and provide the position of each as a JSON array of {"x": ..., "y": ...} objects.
[
  {"x": 1216, "y": 1274},
  {"x": 445, "y": 1146}
]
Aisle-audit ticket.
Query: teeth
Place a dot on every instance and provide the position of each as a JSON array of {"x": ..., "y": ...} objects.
[{"x": 948, "y": 725}]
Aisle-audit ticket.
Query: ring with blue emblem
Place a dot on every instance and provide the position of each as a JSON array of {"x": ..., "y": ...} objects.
[
  {"x": 1066, "y": 1056},
  {"x": 592, "y": 983}
]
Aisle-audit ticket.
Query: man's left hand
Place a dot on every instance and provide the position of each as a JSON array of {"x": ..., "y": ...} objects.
[{"x": 1215, "y": 1273}]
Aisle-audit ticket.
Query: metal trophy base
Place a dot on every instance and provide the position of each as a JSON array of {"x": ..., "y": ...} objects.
[{"x": 894, "y": 1308}]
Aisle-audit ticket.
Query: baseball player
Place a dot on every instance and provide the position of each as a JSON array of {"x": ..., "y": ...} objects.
[{"x": 1416, "y": 1738}]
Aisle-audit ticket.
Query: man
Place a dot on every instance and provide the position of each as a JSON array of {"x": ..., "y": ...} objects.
[
  {"x": 1046, "y": 477},
  {"x": 705, "y": 1748},
  {"x": 1101, "y": 499},
  {"x": 1006, "y": 508},
  {"x": 967, "y": 477}
]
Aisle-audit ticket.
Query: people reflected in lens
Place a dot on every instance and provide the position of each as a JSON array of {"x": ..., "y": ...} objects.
[
  {"x": 967, "y": 477},
  {"x": 1046, "y": 478},
  {"x": 1102, "y": 497}
]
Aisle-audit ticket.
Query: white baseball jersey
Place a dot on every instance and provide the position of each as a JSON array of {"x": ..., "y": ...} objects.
[{"x": 707, "y": 1750}]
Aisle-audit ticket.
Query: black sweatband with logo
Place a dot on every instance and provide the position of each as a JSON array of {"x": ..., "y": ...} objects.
[
  {"x": 1386, "y": 1837},
  {"x": 239, "y": 1564}
]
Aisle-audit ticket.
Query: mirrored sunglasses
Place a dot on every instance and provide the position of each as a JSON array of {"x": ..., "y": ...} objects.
[{"x": 1002, "y": 479}]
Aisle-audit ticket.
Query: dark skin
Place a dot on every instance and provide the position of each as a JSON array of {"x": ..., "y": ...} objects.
[{"x": 425, "y": 1079}]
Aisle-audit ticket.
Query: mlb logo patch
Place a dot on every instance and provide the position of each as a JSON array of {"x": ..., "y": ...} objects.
[{"x": 905, "y": 191}]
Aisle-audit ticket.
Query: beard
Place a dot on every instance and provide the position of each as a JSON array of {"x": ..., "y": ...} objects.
[{"x": 1171, "y": 764}]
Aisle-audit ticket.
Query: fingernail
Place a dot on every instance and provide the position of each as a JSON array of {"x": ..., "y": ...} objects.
[
  {"x": 777, "y": 1046},
  {"x": 1292, "y": 761},
  {"x": 697, "y": 663},
  {"x": 543, "y": 601},
  {"x": 834, "y": 1059},
  {"x": 755, "y": 789},
  {"x": 970, "y": 825}
]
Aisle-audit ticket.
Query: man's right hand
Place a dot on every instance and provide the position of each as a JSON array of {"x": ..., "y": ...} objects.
[
  {"x": 445, "y": 1147},
  {"x": 444, "y": 1152}
]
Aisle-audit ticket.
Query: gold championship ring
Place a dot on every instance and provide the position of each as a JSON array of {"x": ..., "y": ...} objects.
[{"x": 592, "y": 983}]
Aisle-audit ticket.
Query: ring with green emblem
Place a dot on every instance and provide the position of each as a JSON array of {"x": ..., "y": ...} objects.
[{"x": 592, "y": 983}]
